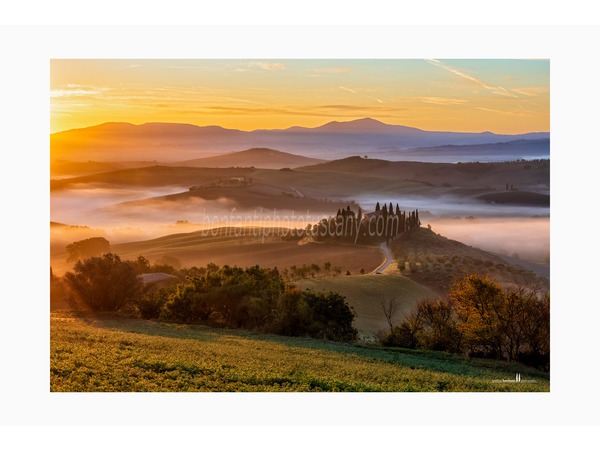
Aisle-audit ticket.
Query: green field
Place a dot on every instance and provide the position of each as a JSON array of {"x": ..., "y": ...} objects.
[
  {"x": 364, "y": 293},
  {"x": 122, "y": 354}
]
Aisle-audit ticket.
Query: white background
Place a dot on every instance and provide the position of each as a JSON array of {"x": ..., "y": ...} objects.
[{"x": 25, "y": 400}]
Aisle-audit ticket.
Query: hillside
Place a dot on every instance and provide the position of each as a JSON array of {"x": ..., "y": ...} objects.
[
  {"x": 90, "y": 353},
  {"x": 153, "y": 176},
  {"x": 265, "y": 158},
  {"x": 364, "y": 293},
  {"x": 250, "y": 246},
  {"x": 435, "y": 261},
  {"x": 330, "y": 179},
  {"x": 66, "y": 169},
  {"x": 533, "y": 175}
]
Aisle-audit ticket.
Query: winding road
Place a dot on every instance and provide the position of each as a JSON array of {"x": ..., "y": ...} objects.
[{"x": 388, "y": 258}]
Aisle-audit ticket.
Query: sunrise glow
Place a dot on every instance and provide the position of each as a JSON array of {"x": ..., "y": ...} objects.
[{"x": 502, "y": 96}]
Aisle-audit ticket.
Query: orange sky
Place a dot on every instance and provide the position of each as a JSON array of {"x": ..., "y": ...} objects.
[{"x": 502, "y": 96}]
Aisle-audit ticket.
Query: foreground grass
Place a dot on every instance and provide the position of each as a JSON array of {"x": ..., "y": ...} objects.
[{"x": 118, "y": 354}]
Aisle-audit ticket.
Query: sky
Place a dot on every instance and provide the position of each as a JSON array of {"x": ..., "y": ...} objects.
[{"x": 471, "y": 95}]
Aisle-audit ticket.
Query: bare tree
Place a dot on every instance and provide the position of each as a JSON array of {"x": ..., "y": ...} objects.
[{"x": 390, "y": 307}]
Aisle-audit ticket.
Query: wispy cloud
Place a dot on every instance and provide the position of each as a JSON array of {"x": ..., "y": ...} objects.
[
  {"x": 268, "y": 65},
  {"x": 355, "y": 90},
  {"x": 347, "y": 89},
  {"x": 531, "y": 91},
  {"x": 76, "y": 91},
  {"x": 378, "y": 100},
  {"x": 332, "y": 70},
  {"x": 514, "y": 112},
  {"x": 498, "y": 90},
  {"x": 442, "y": 100}
]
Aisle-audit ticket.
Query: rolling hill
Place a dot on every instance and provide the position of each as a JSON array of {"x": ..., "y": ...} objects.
[
  {"x": 246, "y": 246},
  {"x": 533, "y": 175},
  {"x": 264, "y": 158},
  {"x": 364, "y": 292}
]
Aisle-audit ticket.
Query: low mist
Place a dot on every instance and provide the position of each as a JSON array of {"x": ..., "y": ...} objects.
[
  {"x": 521, "y": 238},
  {"x": 126, "y": 215}
]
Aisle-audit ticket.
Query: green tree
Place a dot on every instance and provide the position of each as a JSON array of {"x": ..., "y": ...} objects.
[
  {"x": 331, "y": 316},
  {"x": 105, "y": 283}
]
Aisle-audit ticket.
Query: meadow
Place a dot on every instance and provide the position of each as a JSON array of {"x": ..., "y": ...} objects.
[
  {"x": 116, "y": 353},
  {"x": 365, "y": 292}
]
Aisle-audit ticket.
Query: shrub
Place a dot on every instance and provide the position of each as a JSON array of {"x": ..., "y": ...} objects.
[{"x": 150, "y": 305}]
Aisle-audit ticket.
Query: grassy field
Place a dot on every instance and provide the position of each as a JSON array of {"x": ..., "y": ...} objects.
[
  {"x": 126, "y": 355},
  {"x": 364, "y": 292},
  {"x": 222, "y": 246}
]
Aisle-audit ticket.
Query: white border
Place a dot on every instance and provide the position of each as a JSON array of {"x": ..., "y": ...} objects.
[{"x": 24, "y": 378}]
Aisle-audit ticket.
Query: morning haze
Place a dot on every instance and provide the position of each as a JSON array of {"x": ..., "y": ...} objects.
[{"x": 314, "y": 203}]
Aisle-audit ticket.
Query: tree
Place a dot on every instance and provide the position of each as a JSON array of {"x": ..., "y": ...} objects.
[
  {"x": 331, "y": 316},
  {"x": 439, "y": 326},
  {"x": 477, "y": 301},
  {"x": 105, "y": 283},
  {"x": 95, "y": 246},
  {"x": 140, "y": 265},
  {"x": 390, "y": 307},
  {"x": 377, "y": 207}
]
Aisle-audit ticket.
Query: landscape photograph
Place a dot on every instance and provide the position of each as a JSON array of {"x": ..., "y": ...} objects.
[{"x": 299, "y": 225}]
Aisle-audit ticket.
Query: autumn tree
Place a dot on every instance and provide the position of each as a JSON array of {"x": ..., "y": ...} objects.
[
  {"x": 478, "y": 303},
  {"x": 479, "y": 318}
]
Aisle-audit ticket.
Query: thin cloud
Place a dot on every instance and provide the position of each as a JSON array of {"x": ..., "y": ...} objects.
[
  {"x": 498, "y": 90},
  {"x": 333, "y": 70},
  {"x": 442, "y": 100},
  {"x": 378, "y": 100},
  {"x": 312, "y": 111},
  {"x": 356, "y": 90},
  {"x": 520, "y": 112},
  {"x": 531, "y": 91},
  {"x": 242, "y": 100},
  {"x": 76, "y": 92},
  {"x": 347, "y": 89},
  {"x": 268, "y": 65}
]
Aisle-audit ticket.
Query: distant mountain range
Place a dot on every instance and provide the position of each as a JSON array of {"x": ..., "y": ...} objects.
[
  {"x": 171, "y": 142},
  {"x": 499, "y": 151}
]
